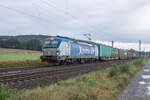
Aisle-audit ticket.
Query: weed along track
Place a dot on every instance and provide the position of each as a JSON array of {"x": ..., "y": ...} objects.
[{"x": 33, "y": 77}]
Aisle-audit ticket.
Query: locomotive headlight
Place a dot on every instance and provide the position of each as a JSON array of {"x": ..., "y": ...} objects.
[{"x": 57, "y": 53}]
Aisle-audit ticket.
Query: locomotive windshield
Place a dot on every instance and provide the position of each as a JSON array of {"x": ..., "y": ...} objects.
[{"x": 51, "y": 43}]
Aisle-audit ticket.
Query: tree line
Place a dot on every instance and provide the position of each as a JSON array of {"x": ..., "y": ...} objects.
[{"x": 32, "y": 44}]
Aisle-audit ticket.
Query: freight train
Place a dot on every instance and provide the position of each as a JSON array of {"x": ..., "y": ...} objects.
[{"x": 60, "y": 50}]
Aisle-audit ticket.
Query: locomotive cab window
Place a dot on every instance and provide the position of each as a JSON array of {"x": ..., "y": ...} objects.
[{"x": 51, "y": 43}]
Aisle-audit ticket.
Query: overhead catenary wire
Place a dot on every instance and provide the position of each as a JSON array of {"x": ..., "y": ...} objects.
[
  {"x": 27, "y": 14},
  {"x": 38, "y": 14},
  {"x": 91, "y": 27},
  {"x": 45, "y": 13},
  {"x": 67, "y": 8},
  {"x": 69, "y": 14},
  {"x": 80, "y": 33}
]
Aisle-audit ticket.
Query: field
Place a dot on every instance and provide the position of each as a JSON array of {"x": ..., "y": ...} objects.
[
  {"x": 14, "y": 54},
  {"x": 19, "y": 58}
]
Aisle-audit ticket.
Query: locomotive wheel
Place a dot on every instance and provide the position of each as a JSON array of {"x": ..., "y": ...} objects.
[{"x": 57, "y": 63}]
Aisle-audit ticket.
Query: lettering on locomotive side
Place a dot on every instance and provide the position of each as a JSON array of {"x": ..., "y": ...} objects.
[{"x": 87, "y": 51}]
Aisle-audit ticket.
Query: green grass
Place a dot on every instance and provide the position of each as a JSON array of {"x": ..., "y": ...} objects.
[
  {"x": 18, "y": 57},
  {"x": 8, "y": 93}
]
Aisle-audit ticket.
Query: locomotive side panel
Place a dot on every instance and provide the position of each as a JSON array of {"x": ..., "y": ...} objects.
[
  {"x": 87, "y": 51},
  {"x": 64, "y": 49},
  {"x": 74, "y": 50},
  {"x": 83, "y": 51},
  {"x": 96, "y": 51}
]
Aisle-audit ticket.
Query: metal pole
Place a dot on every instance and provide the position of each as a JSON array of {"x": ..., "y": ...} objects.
[
  {"x": 112, "y": 43},
  {"x": 140, "y": 46}
]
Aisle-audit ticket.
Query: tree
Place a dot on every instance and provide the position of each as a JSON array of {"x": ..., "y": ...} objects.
[
  {"x": 2, "y": 45},
  {"x": 34, "y": 44},
  {"x": 12, "y": 43}
]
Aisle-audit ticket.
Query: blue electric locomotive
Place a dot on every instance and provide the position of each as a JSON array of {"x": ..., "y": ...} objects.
[{"x": 63, "y": 49}]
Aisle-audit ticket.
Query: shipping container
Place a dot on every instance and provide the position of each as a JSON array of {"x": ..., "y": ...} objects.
[
  {"x": 98, "y": 45},
  {"x": 130, "y": 54},
  {"x": 114, "y": 52},
  {"x": 134, "y": 54},
  {"x": 105, "y": 51},
  {"x": 121, "y": 54},
  {"x": 125, "y": 54},
  {"x": 137, "y": 55}
]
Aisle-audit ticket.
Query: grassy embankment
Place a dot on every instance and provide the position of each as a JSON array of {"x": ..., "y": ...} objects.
[
  {"x": 101, "y": 85},
  {"x": 19, "y": 58}
]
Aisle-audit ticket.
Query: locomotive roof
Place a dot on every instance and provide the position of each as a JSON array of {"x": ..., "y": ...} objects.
[
  {"x": 84, "y": 41},
  {"x": 78, "y": 40}
]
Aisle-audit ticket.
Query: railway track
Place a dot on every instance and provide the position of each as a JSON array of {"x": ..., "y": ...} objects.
[{"x": 30, "y": 78}]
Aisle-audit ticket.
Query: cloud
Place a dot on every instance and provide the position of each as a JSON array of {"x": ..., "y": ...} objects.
[{"x": 118, "y": 20}]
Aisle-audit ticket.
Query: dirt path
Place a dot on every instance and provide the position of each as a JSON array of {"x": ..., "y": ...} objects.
[{"x": 139, "y": 88}]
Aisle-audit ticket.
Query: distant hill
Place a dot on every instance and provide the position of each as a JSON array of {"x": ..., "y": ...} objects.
[
  {"x": 29, "y": 42},
  {"x": 25, "y": 37}
]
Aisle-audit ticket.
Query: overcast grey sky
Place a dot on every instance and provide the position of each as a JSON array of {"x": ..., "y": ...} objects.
[{"x": 118, "y": 20}]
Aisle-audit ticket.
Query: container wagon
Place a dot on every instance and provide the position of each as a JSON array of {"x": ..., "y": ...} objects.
[
  {"x": 114, "y": 53},
  {"x": 121, "y": 54},
  {"x": 105, "y": 52},
  {"x": 130, "y": 55},
  {"x": 125, "y": 54}
]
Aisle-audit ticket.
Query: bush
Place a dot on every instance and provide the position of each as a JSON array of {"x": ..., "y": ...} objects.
[
  {"x": 123, "y": 80},
  {"x": 114, "y": 70},
  {"x": 7, "y": 93},
  {"x": 124, "y": 68},
  {"x": 137, "y": 62}
]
